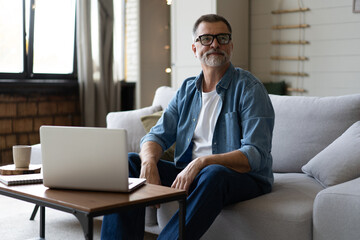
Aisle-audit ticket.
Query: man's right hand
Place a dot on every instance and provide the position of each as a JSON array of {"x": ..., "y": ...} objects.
[
  {"x": 150, "y": 154},
  {"x": 150, "y": 172}
]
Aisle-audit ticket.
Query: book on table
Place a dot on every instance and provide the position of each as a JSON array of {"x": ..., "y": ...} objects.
[{"x": 11, "y": 180}]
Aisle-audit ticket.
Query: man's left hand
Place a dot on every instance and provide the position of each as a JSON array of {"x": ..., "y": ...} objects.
[{"x": 187, "y": 175}]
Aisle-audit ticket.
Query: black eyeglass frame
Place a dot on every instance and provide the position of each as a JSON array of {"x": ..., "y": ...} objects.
[{"x": 198, "y": 39}]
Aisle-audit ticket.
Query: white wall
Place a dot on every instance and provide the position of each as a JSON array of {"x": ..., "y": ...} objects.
[
  {"x": 147, "y": 34},
  {"x": 333, "y": 52},
  {"x": 184, "y": 13}
]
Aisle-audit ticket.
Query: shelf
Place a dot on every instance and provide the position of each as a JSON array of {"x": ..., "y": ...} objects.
[
  {"x": 290, "y": 74},
  {"x": 290, "y": 42},
  {"x": 289, "y": 58},
  {"x": 290, "y": 10},
  {"x": 280, "y": 27},
  {"x": 296, "y": 90}
]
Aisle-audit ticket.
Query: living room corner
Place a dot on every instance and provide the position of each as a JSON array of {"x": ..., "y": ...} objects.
[{"x": 126, "y": 59}]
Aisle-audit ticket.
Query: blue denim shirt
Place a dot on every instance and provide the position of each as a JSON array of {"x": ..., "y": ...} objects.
[{"x": 245, "y": 122}]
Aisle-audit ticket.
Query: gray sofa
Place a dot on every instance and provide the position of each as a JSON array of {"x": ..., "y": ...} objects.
[{"x": 316, "y": 193}]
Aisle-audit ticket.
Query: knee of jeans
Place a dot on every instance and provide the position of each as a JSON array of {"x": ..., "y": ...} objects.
[
  {"x": 214, "y": 172},
  {"x": 134, "y": 158},
  {"x": 134, "y": 164},
  {"x": 133, "y": 155}
]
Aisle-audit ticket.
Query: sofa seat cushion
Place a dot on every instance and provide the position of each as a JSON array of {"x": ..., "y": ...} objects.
[
  {"x": 285, "y": 213},
  {"x": 337, "y": 212}
]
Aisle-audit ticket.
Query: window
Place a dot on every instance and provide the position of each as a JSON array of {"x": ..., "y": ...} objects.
[{"x": 37, "y": 39}]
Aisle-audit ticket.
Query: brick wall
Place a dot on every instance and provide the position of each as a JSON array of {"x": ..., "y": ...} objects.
[{"x": 22, "y": 115}]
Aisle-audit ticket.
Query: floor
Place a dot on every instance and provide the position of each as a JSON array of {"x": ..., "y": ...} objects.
[{"x": 15, "y": 223}]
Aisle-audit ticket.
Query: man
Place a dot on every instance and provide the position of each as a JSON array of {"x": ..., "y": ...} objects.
[{"x": 222, "y": 122}]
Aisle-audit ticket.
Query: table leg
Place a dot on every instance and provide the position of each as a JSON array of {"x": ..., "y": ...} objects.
[
  {"x": 42, "y": 222},
  {"x": 87, "y": 224},
  {"x": 36, "y": 208},
  {"x": 182, "y": 214}
]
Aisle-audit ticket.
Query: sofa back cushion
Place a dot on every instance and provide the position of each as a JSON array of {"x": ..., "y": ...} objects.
[
  {"x": 131, "y": 121},
  {"x": 304, "y": 126}
]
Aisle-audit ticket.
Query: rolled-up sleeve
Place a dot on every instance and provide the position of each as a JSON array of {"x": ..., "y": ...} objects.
[
  {"x": 257, "y": 122},
  {"x": 167, "y": 121}
]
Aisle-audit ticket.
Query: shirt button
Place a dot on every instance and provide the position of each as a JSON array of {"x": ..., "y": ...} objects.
[
  {"x": 214, "y": 143},
  {"x": 194, "y": 119}
]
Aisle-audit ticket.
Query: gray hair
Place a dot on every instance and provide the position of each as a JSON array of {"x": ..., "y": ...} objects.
[{"x": 210, "y": 18}]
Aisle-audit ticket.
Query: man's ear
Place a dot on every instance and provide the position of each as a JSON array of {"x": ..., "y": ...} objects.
[{"x": 193, "y": 48}]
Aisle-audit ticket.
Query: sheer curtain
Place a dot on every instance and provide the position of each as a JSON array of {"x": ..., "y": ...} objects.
[{"x": 99, "y": 91}]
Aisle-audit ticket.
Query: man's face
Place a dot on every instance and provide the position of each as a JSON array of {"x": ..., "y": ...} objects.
[{"x": 215, "y": 54}]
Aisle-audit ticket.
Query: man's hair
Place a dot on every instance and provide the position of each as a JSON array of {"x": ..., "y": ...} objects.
[{"x": 210, "y": 18}]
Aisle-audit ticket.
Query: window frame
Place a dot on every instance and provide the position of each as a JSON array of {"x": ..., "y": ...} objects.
[{"x": 27, "y": 79}]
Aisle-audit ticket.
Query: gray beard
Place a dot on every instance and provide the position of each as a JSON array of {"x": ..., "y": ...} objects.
[{"x": 214, "y": 60}]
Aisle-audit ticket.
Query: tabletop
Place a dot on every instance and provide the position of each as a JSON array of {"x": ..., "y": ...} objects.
[{"x": 94, "y": 201}]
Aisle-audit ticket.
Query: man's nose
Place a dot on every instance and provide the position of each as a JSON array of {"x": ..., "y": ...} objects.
[{"x": 215, "y": 43}]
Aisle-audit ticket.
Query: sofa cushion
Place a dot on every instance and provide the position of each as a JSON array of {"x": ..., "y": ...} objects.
[
  {"x": 285, "y": 213},
  {"x": 339, "y": 162},
  {"x": 336, "y": 212},
  {"x": 130, "y": 120},
  {"x": 304, "y": 126}
]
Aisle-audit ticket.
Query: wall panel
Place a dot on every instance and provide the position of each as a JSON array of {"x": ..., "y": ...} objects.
[{"x": 333, "y": 52}]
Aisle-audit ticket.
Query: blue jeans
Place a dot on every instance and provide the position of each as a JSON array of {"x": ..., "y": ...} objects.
[{"x": 213, "y": 188}]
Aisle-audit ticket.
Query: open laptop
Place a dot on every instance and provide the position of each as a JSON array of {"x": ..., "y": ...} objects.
[{"x": 86, "y": 159}]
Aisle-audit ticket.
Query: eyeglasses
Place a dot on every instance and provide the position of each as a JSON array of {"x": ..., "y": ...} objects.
[{"x": 207, "y": 39}]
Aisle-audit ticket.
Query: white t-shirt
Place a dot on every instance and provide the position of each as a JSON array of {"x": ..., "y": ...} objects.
[{"x": 204, "y": 130}]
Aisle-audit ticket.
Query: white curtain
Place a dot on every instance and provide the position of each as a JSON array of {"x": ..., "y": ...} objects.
[{"x": 99, "y": 92}]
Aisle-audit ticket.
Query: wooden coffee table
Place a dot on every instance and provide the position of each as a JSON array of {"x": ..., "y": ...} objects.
[{"x": 85, "y": 205}]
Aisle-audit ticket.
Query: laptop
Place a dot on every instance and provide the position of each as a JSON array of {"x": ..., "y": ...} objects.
[{"x": 84, "y": 158}]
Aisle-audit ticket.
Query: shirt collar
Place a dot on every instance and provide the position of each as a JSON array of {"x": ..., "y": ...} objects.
[{"x": 223, "y": 83}]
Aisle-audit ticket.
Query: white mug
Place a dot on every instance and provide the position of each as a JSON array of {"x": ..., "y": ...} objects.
[{"x": 21, "y": 156}]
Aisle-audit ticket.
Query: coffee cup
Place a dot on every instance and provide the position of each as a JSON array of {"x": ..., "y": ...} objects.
[{"x": 21, "y": 156}]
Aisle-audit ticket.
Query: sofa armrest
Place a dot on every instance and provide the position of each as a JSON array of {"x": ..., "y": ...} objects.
[{"x": 337, "y": 212}]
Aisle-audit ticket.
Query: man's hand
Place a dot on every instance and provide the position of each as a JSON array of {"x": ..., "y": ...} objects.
[
  {"x": 235, "y": 160},
  {"x": 150, "y": 154},
  {"x": 187, "y": 175},
  {"x": 150, "y": 172}
]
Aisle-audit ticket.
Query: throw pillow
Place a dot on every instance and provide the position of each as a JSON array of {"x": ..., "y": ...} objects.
[
  {"x": 339, "y": 162},
  {"x": 148, "y": 122},
  {"x": 130, "y": 120}
]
